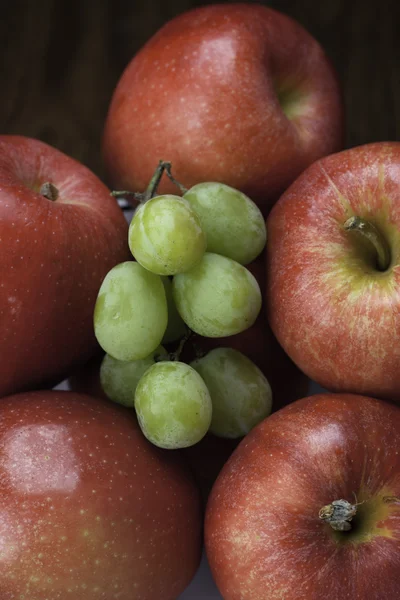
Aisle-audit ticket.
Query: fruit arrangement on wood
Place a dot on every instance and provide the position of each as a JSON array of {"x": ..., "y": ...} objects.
[{"x": 259, "y": 255}]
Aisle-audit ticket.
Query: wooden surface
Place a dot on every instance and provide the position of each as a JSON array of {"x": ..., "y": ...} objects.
[{"x": 60, "y": 60}]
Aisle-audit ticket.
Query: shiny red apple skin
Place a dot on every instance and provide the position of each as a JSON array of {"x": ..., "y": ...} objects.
[
  {"x": 263, "y": 535},
  {"x": 54, "y": 256},
  {"x": 90, "y": 509},
  {"x": 333, "y": 312},
  {"x": 203, "y": 94}
]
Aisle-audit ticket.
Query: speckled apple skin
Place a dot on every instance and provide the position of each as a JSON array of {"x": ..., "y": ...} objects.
[
  {"x": 89, "y": 509},
  {"x": 264, "y": 539},
  {"x": 54, "y": 256},
  {"x": 334, "y": 314},
  {"x": 202, "y": 93}
]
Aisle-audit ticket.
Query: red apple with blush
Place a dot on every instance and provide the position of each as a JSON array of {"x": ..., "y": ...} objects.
[
  {"x": 333, "y": 271},
  {"x": 61, "y": 233},
  {"x": 89, "y": 508},
  {"x": 237, "y": 93},
  {"x": 308, "y": 505}
]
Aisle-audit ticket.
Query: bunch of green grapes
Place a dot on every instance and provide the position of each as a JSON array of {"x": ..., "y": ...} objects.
[{"x": 188, "y": 275}]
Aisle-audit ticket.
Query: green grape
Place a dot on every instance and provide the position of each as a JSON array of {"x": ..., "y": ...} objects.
[
  {"x": 173, "y": 405},
  {"x": 233, "y": 224},
  {"x": 165, "y": 235},
  {"x": 130, "y": 315},
  {"x": 218, "y": 297},
  {"x": 176, "y": 327},
  {"x": 119, "y": 378},
  {"x": 241, "y": 395}
]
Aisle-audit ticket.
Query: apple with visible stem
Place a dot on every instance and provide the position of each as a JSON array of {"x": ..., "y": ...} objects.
[
  {"x": 308, "y": 505},
  {"x": 60, "y": 233},
  {"x": 333, "y": 271},
  {"x": 236, "y": 93},
  {"x": 90, "y": 509}
]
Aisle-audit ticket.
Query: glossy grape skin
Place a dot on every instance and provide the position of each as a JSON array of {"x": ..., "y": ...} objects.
[
  {"x": 165, "y": 235},
  {"x": 176, "y": 327},
  {"x": 233, "y": 224},
  {"x": 217, "y": 298},
  {"x": 240, "y": 393},
  {"x": 173, "y": 405},
  {"x": 130, "y": 315},
  {"x": 119, "y": 378}
]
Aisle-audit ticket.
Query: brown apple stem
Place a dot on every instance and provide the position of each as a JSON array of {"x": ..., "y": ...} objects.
[
  {"x": 49, "y": 191},
  {"x": 338, "y": 514},
  {"x": 374, "y": 237}
]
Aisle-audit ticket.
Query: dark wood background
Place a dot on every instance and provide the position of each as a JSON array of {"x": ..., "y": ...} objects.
[{"x": 60, "y": 60}]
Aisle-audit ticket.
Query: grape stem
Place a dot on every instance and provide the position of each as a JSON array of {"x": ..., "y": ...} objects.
[
  {"x": 176, "y": 355},
  {"x": 179, "y": 185},
  {"x": 155, "y": 180},
  {"x": 151, "y": 190}
]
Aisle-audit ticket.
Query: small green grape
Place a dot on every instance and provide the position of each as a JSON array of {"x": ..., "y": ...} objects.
[
  {"x": 165, "y": 235},
  {"x": 241, "y": 395},
  {"x": 233, "y": 224},
  {"x": 218, "y": 297},
  {"x": 119, "y": 378},
  {"x": 130, "y": 315},
  {"x": 173, "y": 405},
  {"x": 176, "y": 327}
]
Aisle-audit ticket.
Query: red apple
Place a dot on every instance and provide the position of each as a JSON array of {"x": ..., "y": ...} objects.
[
  {"x": 58, "y": 242},
  {"x": 237, "y": 93},
  {"x": 90, "y": 509},
  {"x": 272, "y": 530},
  {"x": 333, "y": 288}
]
